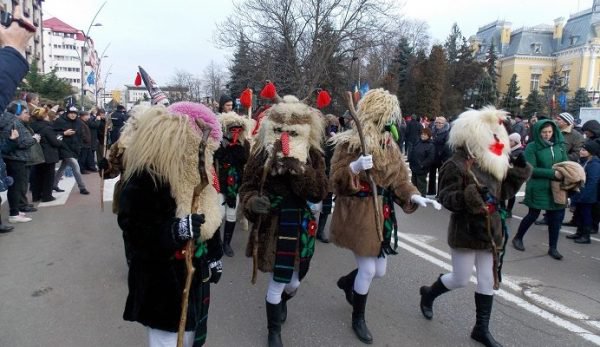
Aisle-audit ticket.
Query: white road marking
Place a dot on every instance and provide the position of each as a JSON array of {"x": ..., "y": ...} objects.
[
  {"x": 109, "y": 187},
  {"x": 551, "y": 317},
  {"x": 67, "y": 184}
]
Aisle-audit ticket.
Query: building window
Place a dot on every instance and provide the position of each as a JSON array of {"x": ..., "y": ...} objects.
[
  {"x": 564, "y": 78},
  {"x": 537, "y": 48},
  {"x": 535, "y": 82}
]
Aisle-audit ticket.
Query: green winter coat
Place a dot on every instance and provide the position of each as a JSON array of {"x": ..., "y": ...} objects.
[{"x": 541, "y": 155}]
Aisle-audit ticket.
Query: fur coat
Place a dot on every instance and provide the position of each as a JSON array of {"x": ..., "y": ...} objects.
[
  {"x": 459, "y": 194},
  {"x": 353, "y": 224},
  {"x": 294, "y": 189}
]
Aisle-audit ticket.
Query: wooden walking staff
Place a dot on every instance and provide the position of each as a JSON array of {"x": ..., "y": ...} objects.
[
  {"x": 189, "y": 246},
  {"x": 104, "y": 151},
  {"x": 363, "y": 145}
]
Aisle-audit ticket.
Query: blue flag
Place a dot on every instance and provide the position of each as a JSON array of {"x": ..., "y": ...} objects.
[{"x": 91, "y": 79}]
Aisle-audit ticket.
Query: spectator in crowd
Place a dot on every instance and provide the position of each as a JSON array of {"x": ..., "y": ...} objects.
[
  {"x": 102, "y": 128},
  {"x": 519, "y": 127},
  {"x": 516, "y": 148},
  {"x": 591, "y": 129},
  {"x": 225, "y": 104},
  {"x": 532, "y": 121},
  {"x": 546, "y": 149},
  {"x": 118, "y": 119},
  {"x": 42, "y": 179},
  {"x": 441, "y": 129},
  {"x": 69, "y": 128},
  {"x": 86, "y": 155},
  {"x": 420, "y": 159},
  {"x": 6, "y": 146},
  {"x": 17, "y": 113},
  {"x": 588, "y": 196},
  {"x": 33, "y": 101},
  {"x": 573, "y": 139},
  {"x": 413, "y": 134}
]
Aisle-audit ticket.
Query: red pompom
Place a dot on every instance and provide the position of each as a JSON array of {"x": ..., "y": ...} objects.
[
  {"x": 269, "y": 91},
  {"x": 246, "y": 98},
  {"x": 138, "y": 80},
  {"x": 356, "y": 96},
  {"x": 323, "y": 99}
]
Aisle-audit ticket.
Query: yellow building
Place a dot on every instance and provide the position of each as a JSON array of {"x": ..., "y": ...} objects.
[{"x": 533, "y": 53}]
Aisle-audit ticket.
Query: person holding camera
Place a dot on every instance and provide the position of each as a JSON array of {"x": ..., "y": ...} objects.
[{"x": 15, "y": 33}]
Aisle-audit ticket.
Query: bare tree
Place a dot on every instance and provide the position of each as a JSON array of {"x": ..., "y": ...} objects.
[
  {"x": 303, "y": 37},
  {"x": 214, "y": 80}
]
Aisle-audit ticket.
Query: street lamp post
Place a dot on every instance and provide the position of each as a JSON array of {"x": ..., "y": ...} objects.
[{"x": 83, "y": 48}]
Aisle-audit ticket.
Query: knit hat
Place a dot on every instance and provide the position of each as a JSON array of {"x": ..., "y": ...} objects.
[
  {"x": 567, "y": 117},
  {"x": 223, "y": 100},
  {"x": 592, "y": 146},
  {"x": 515, "y": 137}
]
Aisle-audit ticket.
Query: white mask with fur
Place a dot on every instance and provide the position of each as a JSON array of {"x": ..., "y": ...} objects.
[{"x": 482, "y": 134}]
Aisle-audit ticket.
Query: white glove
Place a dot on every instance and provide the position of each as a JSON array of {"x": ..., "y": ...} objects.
[
  {"x": 37, "y": 137},
  {"x": 364, "y": 162},
  {"x": 421, "y": 201}
]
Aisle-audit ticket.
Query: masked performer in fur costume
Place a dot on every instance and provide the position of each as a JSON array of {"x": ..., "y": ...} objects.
[
  {"x": 230, "y": 160},
  {"x": 165, "y": 173},
  {"x": 473, "y": 181},
  {"x": 285, "y": 170},
  {"x": 353, "y": 223}
]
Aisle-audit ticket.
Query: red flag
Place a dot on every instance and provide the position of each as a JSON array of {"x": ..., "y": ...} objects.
[{"x": 138, "y": 80}]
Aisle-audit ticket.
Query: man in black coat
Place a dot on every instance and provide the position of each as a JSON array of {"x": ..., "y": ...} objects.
[
  {"x": 69, "y": 127},
  {"x": 413, "y": 133},
  {"x": 118, "y": 119},
  {"x": 441, "y": 131}
]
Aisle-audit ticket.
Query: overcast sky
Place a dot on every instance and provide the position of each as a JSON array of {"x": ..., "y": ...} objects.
[{"x": 163, "y": 36}]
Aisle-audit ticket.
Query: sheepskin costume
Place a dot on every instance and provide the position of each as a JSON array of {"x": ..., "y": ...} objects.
[
  {"x": 483, "y": 135},
  {"x": 166, "y": 145},
  {"x": 289, "y": 143},
  {"x": 352, "y": 224}
]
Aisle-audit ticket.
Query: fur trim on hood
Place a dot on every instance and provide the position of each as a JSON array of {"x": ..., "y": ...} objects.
[{"x": 483, "y": 136}]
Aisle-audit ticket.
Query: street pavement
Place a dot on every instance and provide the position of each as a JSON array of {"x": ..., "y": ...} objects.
[{"x": 63, "y": 282}]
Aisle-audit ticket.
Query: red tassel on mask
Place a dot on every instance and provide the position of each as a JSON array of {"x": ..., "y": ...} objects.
[
  {"x": 285, "y": 144},
  {"x": 138, "y": 80},
  {"x": 497, "y": 147},
  {"x": 269, "y": 91},
  {"x": 246, "y": 98},
  {"x": 323, "y": 99}
]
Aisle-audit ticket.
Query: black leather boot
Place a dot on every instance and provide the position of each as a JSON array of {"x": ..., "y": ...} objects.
[
  {"x": 228, "y": 235},
  {"x": 321, "y": 229},
  {"x": 585, "y": 236},
  {"x": 274, "y": 324},
  {"x": 428, "y": 294},
  {"x": 346, "y": 283},
  {"x": 481, "y": 332},
  {"x": 284, "y": 299},
  {"x": 358, "y": 318},
  {"x": 576, "y": 235}
]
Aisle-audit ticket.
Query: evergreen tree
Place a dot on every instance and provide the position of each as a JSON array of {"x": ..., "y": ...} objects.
[
  {"x": 552, "y": 89},
  {"x": 398, "y": 74},
  {"x": 241, "y": 68},
  {"x": 414, "y": 78},
  {"x": 487, "y": 92},
  {"x": 492, "y": 73},
  {"x": 431, "y": 89},
  {"x": 453, "y": 44},
  {"x": 534, "y": 105},
  {"x": 512, "y": 101},
  {"x": 580, "y": 100}
]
